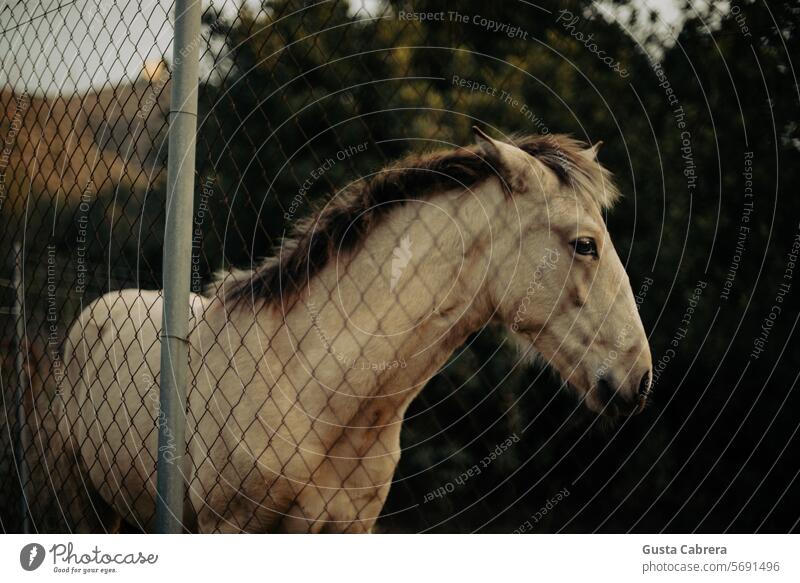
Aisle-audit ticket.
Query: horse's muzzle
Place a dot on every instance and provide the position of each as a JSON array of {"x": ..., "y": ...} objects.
[{"x": 622, "y": 401}]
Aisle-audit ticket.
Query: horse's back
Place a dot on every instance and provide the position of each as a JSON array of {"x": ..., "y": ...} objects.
[{"x": 113, "y": 361}]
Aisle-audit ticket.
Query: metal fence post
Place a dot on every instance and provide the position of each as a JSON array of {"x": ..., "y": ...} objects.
[
  {"x": 20, "y": 364},
  {"x": 176, "y": 267}
]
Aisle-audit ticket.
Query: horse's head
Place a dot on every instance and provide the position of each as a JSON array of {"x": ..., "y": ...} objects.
[{"x": 560, "y": 284}]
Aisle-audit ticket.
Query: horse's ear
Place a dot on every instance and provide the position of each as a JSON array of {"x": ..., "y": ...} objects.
[
  {"x": 590, "y": 153},
  {"x": 487, "y": 145},
  {"x": 511, "y": 164}
]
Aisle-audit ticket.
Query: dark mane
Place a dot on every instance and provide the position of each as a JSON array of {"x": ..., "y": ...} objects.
[{"x": 346, "y": 221}]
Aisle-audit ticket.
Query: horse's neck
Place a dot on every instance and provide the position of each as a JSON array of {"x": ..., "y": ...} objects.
[{"x": 392, "y": 313}]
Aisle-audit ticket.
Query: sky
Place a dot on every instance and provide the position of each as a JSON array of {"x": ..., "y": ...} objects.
[{"x": 68, "y": 45}]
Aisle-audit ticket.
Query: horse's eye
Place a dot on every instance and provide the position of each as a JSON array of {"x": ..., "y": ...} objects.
[{"x": 585, "y": 246}]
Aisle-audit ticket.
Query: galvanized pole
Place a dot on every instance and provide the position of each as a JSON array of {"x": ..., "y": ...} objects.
[
  {"x": 176, "y": 268},
  {"x": 22, "y": 383}
]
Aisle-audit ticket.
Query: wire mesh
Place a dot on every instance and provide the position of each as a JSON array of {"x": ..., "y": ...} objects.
[
  {"x": 81, "y": 155},
  {"x": 293, "y": 423},
  {"x": 281, "y": 126}
]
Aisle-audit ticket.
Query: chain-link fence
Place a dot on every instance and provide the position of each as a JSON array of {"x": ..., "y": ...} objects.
[
  {"x": 353, "y": 242},
  {"x": 292, "y": 424},
  {"x": 83, "y": 139}
]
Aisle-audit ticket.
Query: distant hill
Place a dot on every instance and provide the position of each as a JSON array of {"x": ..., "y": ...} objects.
[{"x": 99, "y": 140}]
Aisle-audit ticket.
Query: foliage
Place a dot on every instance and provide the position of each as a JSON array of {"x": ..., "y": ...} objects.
[{"x": 304, "y": 82}]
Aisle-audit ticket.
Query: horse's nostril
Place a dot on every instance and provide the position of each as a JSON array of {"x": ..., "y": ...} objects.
[
  {"x": 644, "y": 385},
  {"x": 605, "y": 390}
]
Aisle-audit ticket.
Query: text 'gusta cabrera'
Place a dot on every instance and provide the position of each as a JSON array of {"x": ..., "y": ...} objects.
[{"x": 683, "y": 550}]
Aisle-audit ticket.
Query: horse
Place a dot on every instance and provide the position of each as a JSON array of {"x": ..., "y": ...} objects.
[{"x": 302, "y": 368}]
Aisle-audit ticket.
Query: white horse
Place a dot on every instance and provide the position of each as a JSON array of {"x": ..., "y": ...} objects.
[{"x": 302, "y": 369}]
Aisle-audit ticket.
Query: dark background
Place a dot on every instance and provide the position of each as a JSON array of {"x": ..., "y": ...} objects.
[{"x": 290, "y": 84}]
